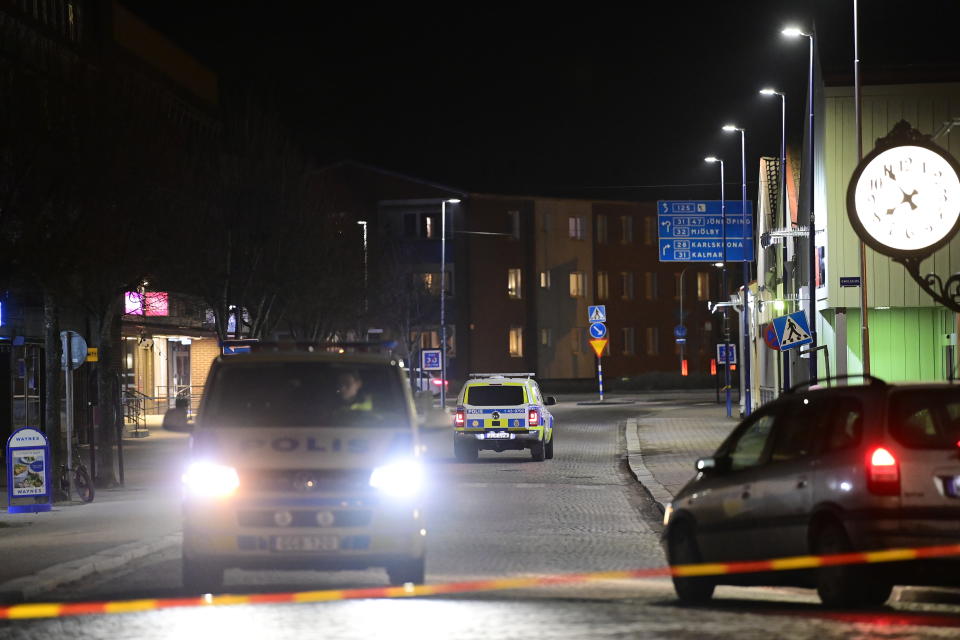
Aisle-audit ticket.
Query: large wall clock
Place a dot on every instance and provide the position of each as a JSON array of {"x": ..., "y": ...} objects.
[{"x": 904, "y": 199}]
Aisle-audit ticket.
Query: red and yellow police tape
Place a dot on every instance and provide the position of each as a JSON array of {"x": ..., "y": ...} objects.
[{"x": 55, "y": 610}]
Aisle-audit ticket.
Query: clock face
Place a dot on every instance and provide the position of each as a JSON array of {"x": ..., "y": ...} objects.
[{"x": 905, "y": 200}]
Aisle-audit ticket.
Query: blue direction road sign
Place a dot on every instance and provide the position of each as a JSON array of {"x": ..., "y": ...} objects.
[
  {"x": 598, "y": 330},
  {"x": 792, "y": 330},
  {"x": 597, "y": 313},
  {"x": 430, "y": 360},
  {"x": 696, "y": 250},
  {"x": 726, "y": 353}
]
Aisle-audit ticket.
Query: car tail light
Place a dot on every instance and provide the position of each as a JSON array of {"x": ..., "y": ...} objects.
[
  {"x": 883, "y": 473},
  {"x": 533, "y": 418},
  {"x": 460, "y": 418}
]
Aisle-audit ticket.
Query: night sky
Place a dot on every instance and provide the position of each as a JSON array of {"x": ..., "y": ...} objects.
[{"x": 581, "y": 102}]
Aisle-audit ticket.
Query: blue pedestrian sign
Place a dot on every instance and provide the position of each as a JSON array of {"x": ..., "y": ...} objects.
[
  {"x": 430, "y": 360},
  {"x": 792, "y": 330},
  {"x": 597, "y": 313},
  {"x": 694, "y": 231},
  {"x": 598, "y": 330},
  {"x": 726, "y": 353}
]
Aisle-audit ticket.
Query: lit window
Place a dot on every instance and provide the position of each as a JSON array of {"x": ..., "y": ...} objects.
[
  {"x": 576, "y": 228},
  {"x": 703, "y": 286},
  {"x": 516, "y": 342},
  {"x": 626, "y": 285},
  {"x": 650, "y": 286},
  {"x": 577, "y": 285},
  {"x": 653, "y": 341},
  {"x": 601, "y": 229},
  {"x": 629, "y": 348},
  {"x": 603, "y": 285},
  {"x": 430, "y": 227},
  {"x": 626, "y": 229},
  {"x": 546, "y": 339},
  {"x": 649, "y": 230},
  {"x": 544, "y": 279},
  {"x": 513, "y": 284}
]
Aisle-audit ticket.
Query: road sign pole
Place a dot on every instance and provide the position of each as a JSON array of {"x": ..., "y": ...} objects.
[
  {"x": 68, "y": 374},
  {"x": 600, "y": 376}
]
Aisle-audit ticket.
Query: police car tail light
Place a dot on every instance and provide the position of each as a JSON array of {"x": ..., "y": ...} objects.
[
  {"x": 883, "y": 472},
  {"x": 533, "y": 418},
  {"x": 401, "y": 479},
  {"x": 460, "y": 419},
  {"x": 210, "y": 480}
]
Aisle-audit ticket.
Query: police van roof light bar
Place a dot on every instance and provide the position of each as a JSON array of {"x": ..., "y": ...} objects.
[{"x": 502, "y": 375}]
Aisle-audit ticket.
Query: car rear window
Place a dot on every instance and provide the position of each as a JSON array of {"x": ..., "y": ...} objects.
[
  {"x": 303, "y": 394},
  {"x": 926, "y": 419},
  {"x": 494, "y": 395}
]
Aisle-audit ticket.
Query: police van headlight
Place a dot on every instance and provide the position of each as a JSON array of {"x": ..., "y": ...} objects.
[
  {"x": 401, "y": 479},
  {"x": 210, "y": 480}
]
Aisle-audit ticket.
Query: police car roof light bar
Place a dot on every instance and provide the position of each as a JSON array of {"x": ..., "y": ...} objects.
[{"x": 502, "y": 375}]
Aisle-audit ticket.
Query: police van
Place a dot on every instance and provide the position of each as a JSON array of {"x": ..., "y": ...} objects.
[
  {"x": 503, "y": 412},
  {"x": 303, "y": 461}
]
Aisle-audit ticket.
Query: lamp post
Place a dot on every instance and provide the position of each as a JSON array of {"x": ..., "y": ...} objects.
[
  {"x": 443, "y": 295},
  {"x": 363, "y": 223},
  {"x": 684, "y": 337},
  {"x": 745, "y": 316},
  {"x": 794, "y": 32},
  {"x": 723, "y": 277},
  {"x": 783, "y": 203}
]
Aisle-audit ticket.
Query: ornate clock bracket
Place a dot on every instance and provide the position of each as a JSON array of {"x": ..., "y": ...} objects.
[{"x": 946, "y": 292}]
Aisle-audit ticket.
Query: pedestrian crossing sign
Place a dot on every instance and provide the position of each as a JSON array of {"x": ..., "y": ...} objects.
[
  {"x": 597, "y": 313},
  {"x": 792, "y": 330}
]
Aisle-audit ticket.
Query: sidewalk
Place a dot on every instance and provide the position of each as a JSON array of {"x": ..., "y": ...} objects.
[{"x": 663, "y": 448}]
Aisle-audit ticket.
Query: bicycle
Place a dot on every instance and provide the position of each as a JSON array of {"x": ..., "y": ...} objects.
[{"x": 81, "y": 481}]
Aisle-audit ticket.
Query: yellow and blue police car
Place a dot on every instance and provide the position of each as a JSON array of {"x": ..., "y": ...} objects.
[{"x": 503, "y": 412}]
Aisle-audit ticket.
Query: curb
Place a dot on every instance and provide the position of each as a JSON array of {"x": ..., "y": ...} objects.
[
  {"x": 26, "y": 587},
  {"x": 647, "y": 480}
]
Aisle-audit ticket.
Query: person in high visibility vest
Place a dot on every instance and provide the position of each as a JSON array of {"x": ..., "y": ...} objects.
[{"x": 349, "y": 385}]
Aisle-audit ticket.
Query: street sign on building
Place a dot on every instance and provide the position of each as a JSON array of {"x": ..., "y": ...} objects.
[
  {"x": 597, "y": 313},
  {"x": 430, "y": 360},
  {"x": 693, "y": 231},
  {"x": 792, "y": 331},
  {"x": 850, "y": 281}
]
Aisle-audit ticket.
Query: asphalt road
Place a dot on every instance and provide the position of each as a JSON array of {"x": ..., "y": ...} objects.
[{"x": 504, "y": 516}]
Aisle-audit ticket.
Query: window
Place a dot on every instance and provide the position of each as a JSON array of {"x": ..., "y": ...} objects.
[
  {"x": 626, "y": 229},
  {"x": 626, "y": 285},
  {"x": 577, "y": 284},
  {"x": 629, "y": 348},
  {"x": 546, "y": 338},
  {"x": 650, "y": 286},
  {"x": 603, "y": 285},
  {"x": 653, "y": 341},
  {"x": 546, "y": 224},
  {"x": 516, "y": 342},
  {"x": 747, "y": 449},
  {"x": 926, "y": 419},
  {"x": 577, "y": 345},
  {"x": 430, "y": 226},
  {"x": 410, "y": 225},
  {"x": 796, "y": 431},
  {"x": 545, "y": 279},
  {"x": 506, "y": 395},
  {"x": 703, "y": 286},
  {"x": 844, "y": 423},
  {"x": 513, "y": 222},
  {"x": 513, "y": 284},
  {"x": 649, "y": 230},
  {"x": 601, "y": 229},
  {"x": 431, "y": 282},
  {"x": 576, "y": 228}
]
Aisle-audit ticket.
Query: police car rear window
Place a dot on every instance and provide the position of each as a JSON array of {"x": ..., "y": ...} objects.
[
  {"x": 926, "y": 419},
  {"x": 304, "y": 394},
  {"x": 494, "y": 396}
]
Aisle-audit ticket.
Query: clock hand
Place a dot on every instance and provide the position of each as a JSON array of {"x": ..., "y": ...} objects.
[{"x": 908, "y": 198}]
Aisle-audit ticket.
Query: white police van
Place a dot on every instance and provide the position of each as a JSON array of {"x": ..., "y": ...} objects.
[
  {"x": 303, "y": 461},
  {"x": 502, "y": 412}
]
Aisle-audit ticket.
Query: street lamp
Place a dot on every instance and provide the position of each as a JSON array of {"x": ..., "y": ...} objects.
[
  {"x": 443, "y": 294},
  {"x": 723, "y": 278},
  {"x": 783, "y": 203},
  {"x": 745, "y": 316},
  {"x": 363, "y": 223},
  {"x": 794, "y": 32}
]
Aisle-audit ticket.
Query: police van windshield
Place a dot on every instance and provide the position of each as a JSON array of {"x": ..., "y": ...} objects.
[
  {"x": 494, "y": 396},
  {"x": 303, "y": 394}
]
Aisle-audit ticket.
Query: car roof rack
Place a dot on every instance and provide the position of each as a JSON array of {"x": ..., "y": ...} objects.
[
  {"x": 871, "y": 380},
  {"x": 502, "y": 375}
]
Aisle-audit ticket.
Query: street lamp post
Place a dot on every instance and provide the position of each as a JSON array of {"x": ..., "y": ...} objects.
[
  {"x": 745, "y": 316},
  {"x": 793, "y": 32},
  {"x": 683, "y": 337},
  {"x": 363, "y": 223},
  {"x": 443, "y": 295},
  {"x": 723, "y": 278},
  {"x": 785, "y": 209}
]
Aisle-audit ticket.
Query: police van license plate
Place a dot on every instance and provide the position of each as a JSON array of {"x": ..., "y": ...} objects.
[
  {"x": 498, "y": 435},
  {"x": 305, "y": 543}
]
